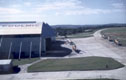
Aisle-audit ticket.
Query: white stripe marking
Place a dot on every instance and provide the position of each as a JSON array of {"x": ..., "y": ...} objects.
[
  {"x": 10, "y": 50},
  {"x": 1, "y": 41},
  {"x": 30, "y": 49},
  {"x": 20, "y": 50}
]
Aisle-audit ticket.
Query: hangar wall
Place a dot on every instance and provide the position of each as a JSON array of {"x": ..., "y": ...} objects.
[{"x": 26, "y": 45}]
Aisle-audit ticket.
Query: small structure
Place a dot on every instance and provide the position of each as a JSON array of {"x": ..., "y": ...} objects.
[
  {"x": 117, "y": 42},
  {"x": 6, "y": 66},
  {"x": 103, "y": 36},
  {"x": 110, "y": 38}
]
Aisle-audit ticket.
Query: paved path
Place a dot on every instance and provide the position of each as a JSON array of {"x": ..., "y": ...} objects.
[
  {"x": 24, "y": 67},
  {"x": 92, "y": 46},
  {"x": 116, "y": 74}
]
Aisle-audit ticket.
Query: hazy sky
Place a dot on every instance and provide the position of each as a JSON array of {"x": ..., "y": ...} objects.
[{"x": 64, "y": 11}]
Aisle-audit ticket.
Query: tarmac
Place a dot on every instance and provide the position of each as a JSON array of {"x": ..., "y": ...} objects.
[{"x": 91, "y": 46}]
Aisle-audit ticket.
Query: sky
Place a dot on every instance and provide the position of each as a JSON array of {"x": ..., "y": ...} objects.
[{"x": 54, "y": 12}]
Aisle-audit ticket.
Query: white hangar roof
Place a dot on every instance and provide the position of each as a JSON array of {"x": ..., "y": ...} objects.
[{"x": 19, "y": 28}]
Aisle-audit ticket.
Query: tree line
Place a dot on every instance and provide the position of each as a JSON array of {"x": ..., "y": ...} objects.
[{"x": 63, "y": 30}]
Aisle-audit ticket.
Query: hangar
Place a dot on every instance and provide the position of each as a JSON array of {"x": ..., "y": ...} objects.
[{"x": 24, "y": 39}]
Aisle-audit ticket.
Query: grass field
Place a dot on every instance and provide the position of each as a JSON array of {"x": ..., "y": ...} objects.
[
  {"x": 82, "y": 35},
  {"x": 116, "y": 33},
  {"x": 24, "y": 61},
  {"x": 75, "y": 64}
]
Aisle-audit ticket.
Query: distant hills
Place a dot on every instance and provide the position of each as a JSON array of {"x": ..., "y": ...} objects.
[{"x": 87, "y": 26}]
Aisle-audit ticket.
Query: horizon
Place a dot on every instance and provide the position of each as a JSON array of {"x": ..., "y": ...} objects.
[
  {"x": 64, "y": 12},
  {"x": 55, "y": 24}
]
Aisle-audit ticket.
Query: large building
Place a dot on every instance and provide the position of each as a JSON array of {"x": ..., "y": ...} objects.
[{"x": 24, "y": 39}]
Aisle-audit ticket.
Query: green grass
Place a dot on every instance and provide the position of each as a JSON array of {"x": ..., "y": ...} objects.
[
  {"x": 81, "y": 35},
  {"x": 116, "y": 33},
  {"x": 75, "y": 64},
  {"x": 24, "y": 61}
]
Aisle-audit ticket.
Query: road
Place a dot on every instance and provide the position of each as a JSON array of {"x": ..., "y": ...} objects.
[{"x": 92, "y": 46}]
